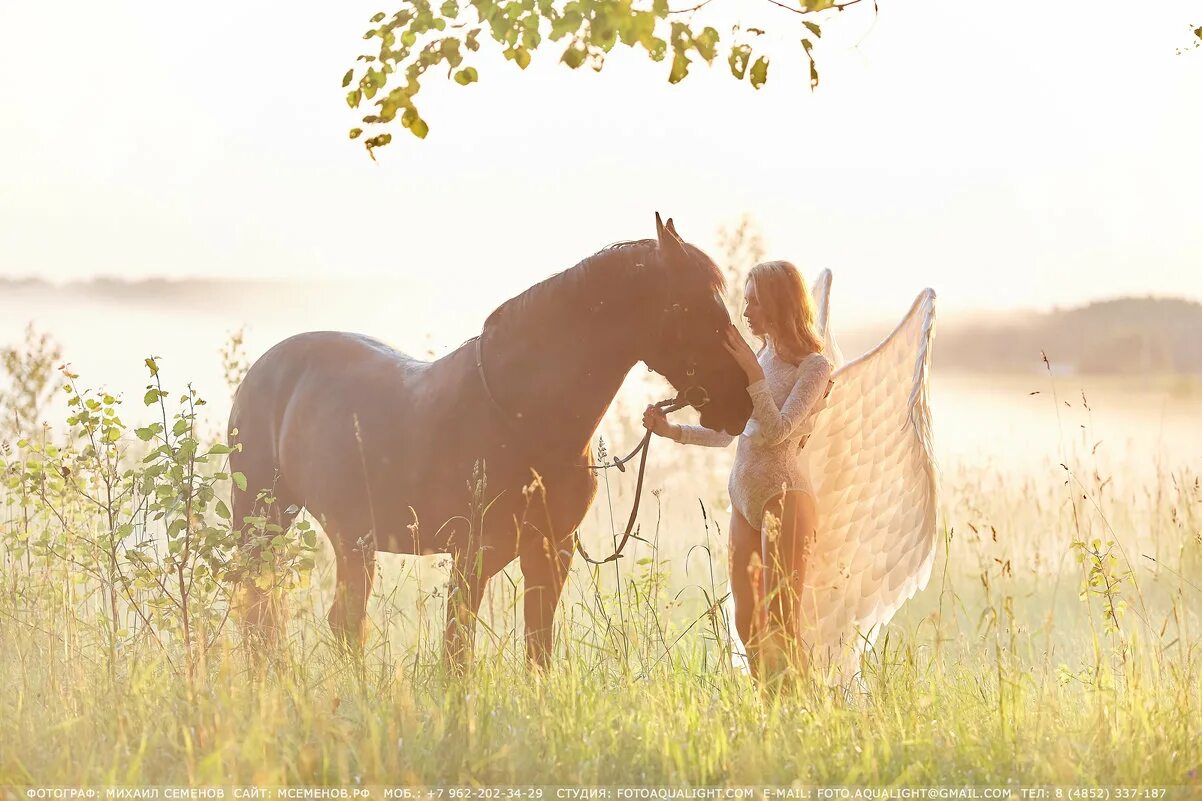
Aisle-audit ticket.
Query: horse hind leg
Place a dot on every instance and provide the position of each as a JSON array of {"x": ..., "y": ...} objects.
[
  {"x": 356, "y": 574},
  {"x": 260, "y": 608}
]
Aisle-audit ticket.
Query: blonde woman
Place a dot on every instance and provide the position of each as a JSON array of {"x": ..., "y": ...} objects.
[{"x": 773, "y": 511}]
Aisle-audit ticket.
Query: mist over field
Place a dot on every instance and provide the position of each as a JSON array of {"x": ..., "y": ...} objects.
[{"x": 1135, "y": 361}]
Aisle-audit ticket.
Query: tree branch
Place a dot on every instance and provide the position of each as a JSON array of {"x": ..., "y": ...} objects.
[
  {"x": 835, "y": 6},
  {"x": 697, "y": 7}
]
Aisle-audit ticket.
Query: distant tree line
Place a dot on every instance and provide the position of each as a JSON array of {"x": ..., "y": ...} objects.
[{"x": 1126, "y": 335}]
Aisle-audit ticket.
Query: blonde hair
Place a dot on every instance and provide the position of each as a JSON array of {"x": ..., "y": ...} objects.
[{"x": 789, "y": 306}]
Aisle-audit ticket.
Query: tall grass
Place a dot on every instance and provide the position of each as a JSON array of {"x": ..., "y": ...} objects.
[{"x": 1059, "y": 641}]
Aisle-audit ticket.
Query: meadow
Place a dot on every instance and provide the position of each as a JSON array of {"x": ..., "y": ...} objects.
[{"x": 1059, "y": 640}]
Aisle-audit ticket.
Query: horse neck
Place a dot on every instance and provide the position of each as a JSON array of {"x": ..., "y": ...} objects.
[{"x": 555, "y": 365}]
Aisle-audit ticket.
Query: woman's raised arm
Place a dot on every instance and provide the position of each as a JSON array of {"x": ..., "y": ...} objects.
[{"x": 774, "y": 425}]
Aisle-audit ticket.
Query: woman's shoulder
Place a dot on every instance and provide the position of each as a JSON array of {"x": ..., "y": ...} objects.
[
  {"x": 817, "y": 362},
  {"x": 814, "y": 360}
]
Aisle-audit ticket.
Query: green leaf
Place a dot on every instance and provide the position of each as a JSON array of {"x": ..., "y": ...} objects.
[
  {"x": 356, "y": 133},
  {"x": 466, "y": 75},
  {"x": 813, "y": 28},
  {"x": 573, "y": 56},
  {"x": 739, "y": 56},
  {"x": 378, "y": 17},
  {"x": 377, "y": 141},
  {"x": 145, "y": 434},
  {"x": 153, "y": 366},
  {"x": 414, "y": 122},
  {"x": 222, "y": 510},
  {"x": 680, "y": 67},
  {"x": 522, "y": 56},
  {"x": 240, "y": 480},
  {"x": 707, "y": 44},
  {"x": 346, "y": 79},
  {"x": 152, "y": 396},
  {"x": 759, "y": 72},
  {"x": 808, "y": 46}
]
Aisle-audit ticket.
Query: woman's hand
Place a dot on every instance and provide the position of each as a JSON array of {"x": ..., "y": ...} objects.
[
  {"x": 655, "y": 421},
  {"x": 737, "y": 347}
]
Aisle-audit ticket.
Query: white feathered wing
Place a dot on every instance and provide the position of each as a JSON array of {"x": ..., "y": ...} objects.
[
  {"x": 822, "y": 300},
  {"x": 873, "y": 469}
]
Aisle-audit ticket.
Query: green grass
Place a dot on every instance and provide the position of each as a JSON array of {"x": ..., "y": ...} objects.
[{"x": 1003, "y": 669}]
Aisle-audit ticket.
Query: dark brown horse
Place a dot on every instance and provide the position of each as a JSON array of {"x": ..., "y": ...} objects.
[{"x": 381, "y": 447}]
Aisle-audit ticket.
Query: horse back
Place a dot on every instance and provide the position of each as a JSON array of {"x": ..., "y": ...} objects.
[{"x": 359, "y": 433}]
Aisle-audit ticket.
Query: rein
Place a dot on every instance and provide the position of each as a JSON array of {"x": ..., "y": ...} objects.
[{"x": 667, "y": 405}]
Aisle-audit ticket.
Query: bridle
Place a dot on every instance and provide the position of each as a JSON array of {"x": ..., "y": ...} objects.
[{"x": 667, "y": 406}]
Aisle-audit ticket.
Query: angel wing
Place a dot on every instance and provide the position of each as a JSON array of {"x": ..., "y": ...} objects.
[
  {"x": 822, "y": 300},
  {"x": 875, "y": 482}
]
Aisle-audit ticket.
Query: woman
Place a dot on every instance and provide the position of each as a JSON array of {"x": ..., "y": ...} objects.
[{"x": 773, "y": 513}]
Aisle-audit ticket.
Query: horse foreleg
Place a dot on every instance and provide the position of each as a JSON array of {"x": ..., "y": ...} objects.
[
  {"x": 356, "y": 573},
  {"x": 545, "y": 570}
]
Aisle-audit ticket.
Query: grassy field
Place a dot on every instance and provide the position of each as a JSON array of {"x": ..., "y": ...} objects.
[{"x": 1059, "y": 641}]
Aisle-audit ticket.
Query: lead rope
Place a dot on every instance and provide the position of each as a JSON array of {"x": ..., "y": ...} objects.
[{"x": 667, "y": 406}]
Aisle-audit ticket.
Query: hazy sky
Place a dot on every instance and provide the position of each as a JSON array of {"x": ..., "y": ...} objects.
[{"x": 1009, "y": 157}]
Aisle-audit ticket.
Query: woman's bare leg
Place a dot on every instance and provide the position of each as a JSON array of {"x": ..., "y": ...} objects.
[
  {"x": 790, "y": 524},
  {"x": 746, "y": 584}
]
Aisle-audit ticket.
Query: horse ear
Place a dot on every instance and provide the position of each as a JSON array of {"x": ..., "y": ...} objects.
[{"x": 669, "y": 242}]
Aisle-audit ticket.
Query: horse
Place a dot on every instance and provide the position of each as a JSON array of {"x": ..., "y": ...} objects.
[{"x": 390, "y": 453}]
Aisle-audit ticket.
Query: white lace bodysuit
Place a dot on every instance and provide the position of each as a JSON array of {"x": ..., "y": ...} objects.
[{"x": 770, "y": 458}]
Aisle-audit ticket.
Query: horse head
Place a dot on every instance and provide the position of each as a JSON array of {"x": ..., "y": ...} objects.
[{"x": 688, "y": 324}]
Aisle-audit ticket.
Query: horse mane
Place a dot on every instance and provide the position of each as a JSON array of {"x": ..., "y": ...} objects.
[{"x": 599, "y": 272}]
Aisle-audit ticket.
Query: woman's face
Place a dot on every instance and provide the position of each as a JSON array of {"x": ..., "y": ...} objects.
[{"x": 753, "y": 313}]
